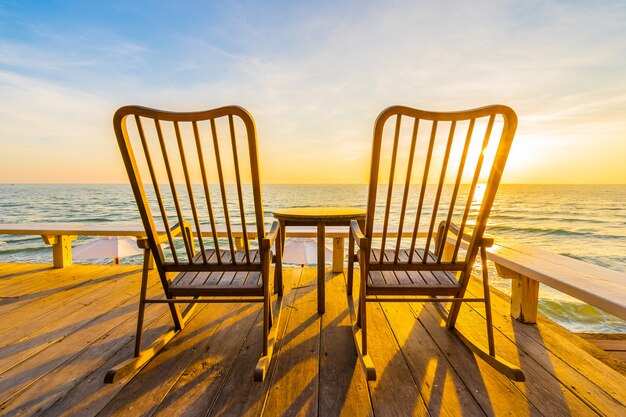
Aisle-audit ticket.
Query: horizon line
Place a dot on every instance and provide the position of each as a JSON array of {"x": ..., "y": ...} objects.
[{"x": 304, "y": 183}]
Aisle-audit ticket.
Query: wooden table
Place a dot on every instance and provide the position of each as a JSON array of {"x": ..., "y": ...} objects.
[{"x": 320, "y": 217}]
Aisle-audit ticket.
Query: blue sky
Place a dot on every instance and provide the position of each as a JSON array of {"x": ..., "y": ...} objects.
[{"x": 314, "y": 75}]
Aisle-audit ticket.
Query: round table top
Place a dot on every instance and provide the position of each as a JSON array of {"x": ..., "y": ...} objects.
[{"x": 321, "y": 213}]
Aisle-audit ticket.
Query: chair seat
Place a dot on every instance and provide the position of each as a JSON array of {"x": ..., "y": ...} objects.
[
  {"x": 395, "y": 281},
  {"x": 229, "y": 283}
]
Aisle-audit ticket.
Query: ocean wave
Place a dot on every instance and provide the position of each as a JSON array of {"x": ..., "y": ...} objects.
[
  {"x": 589, "y": 233},
  {"x": 581, "y": 317},
  {"x": 24, "y": 250},
  {"x": 558, "y": 232},
  {"x": 607, "y": 261},
  {"x": 556, "y": 218}
]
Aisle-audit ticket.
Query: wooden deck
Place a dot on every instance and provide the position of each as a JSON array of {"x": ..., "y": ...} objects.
[{"x": 62, "y": 329}]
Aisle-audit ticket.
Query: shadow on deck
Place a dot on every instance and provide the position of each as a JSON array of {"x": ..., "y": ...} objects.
[{"x": 62, "y": 329}]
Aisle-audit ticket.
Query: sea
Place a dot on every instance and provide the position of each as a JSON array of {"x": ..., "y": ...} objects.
[{"x": 585, "y": 222}]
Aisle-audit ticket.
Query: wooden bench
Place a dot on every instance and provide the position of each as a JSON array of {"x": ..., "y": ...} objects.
[
  {"x": 61, "y": 235},
  {"x": 527, "y": 267}
]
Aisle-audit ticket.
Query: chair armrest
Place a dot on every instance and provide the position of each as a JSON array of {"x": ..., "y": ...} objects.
[
  {"x": 175, "y": 230},
  {"x": 270, "y": 238},
  {"x": 487, "y": 240},
  {"x": 357, "y": 234}
]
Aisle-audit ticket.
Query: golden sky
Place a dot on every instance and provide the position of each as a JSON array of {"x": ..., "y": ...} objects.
[{"x": 314, "y": 76}]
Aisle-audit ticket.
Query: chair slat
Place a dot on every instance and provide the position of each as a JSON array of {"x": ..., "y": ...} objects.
[
  {"x": 239, "y": 191},
  {"x": 220, "y": 174},
  {"x": 457, "y": 183},
  {"x": 472, "y": 189},
  {"x": 155, "y": 185},
  {"x": 414, "y": 276},
  {"x": 170, "y": 178},
  {"x": 420, "y": 205},
  {"x": 392, "y": 170},
  {"x": 442, "y": 177},
  {"x": 253, "y": 278},
  {"x": 407, "y": 187},
  {"x": 192, "y": 201},
  {"x": 205, "y": 186}
]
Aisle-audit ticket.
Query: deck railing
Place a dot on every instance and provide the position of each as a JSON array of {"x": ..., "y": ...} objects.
[{"x": 525, "y": 266}]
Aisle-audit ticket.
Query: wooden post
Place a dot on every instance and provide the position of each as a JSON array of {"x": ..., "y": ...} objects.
[
  {"x": 61, "y": 249},
  {"x": 338, "y": 254},
  {"x": 524, "y": 299},
  {"x": 151, "y": 265},
  {"x": 239, "y": 242},
  {"x": 321, "y": 268},
  {"x": 524, "y": 295},
  {"x": 448, "y": 251}
]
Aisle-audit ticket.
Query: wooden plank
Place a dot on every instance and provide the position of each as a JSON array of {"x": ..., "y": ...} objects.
[
  {"x": 295, "y": 380},
  {"x": 594, "y": 382},
  {"x": 395, "y": 392},
  {"x": 49, "y": 283},
  {"x": 239, "y": 394},
  {"x": 578, "y": 382},
  {"x": 440, "y": 386},
  {"x": 90, "y": 395},
  {"x": 343, "y": 387},
  {"x": 137, "y": 230},
  {"x": 24, "y": 365},
  {"x": 615, "y": 348},
  {"x": 40, "y": 338},
  {"x": 75, "y": 387},
  {"x": 542, "y": 388},
  {"x": 607, "y": 344},
  {"x": 495, "y": 394},
  {"x": 321, "y": 268},
  {"x": 545, "y": 373},
  {"x": 12, "y": 274},
  {"x": 46, "y": 278},
  {"x": 43, "y": 313},
  {"x": 201, "y": 382},
  {"x": 144, "y": 393}
]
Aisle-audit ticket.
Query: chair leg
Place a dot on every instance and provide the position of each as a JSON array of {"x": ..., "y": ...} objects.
[
  {"x": 270, "y": 314},
  {"x": 271, "y": 322},
  {"x": 278, "y": 266},
  {"x": 358, "y": 320},
  {"x": 488, "y": 317},
  {"x": 142, "y": 300},
  {"x": 350, "y": 264},
  {"x": 455, "y": 308},
  {"x": 363, "y": 318},
  {"x": 278, "y": 269},
  {"x": 266, "y": 306}
]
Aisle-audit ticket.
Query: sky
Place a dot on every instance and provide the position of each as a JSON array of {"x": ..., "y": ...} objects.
[{"x": 314, "y": 75}]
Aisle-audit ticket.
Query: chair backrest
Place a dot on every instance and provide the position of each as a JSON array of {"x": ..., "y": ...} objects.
[
  {"x": 428, "y": 167},
  {"x": 196, "y": 168}
]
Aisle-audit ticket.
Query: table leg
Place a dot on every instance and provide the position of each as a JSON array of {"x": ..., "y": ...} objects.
[
  {"x": 338, "y": 255},
  {"x": 278, "y": 273},
  {"x": 321, "y": 268}
]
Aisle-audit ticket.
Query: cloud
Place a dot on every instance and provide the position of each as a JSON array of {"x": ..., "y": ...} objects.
[{"x": 315, "y": 76}]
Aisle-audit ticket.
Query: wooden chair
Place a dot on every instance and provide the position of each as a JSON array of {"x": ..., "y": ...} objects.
[
  {"x": 438, "y": 175},
  {"x": 180, "y": 166}
]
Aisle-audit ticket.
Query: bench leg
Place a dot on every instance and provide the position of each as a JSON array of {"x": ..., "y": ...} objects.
[{"x": 524, "y": 299}]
